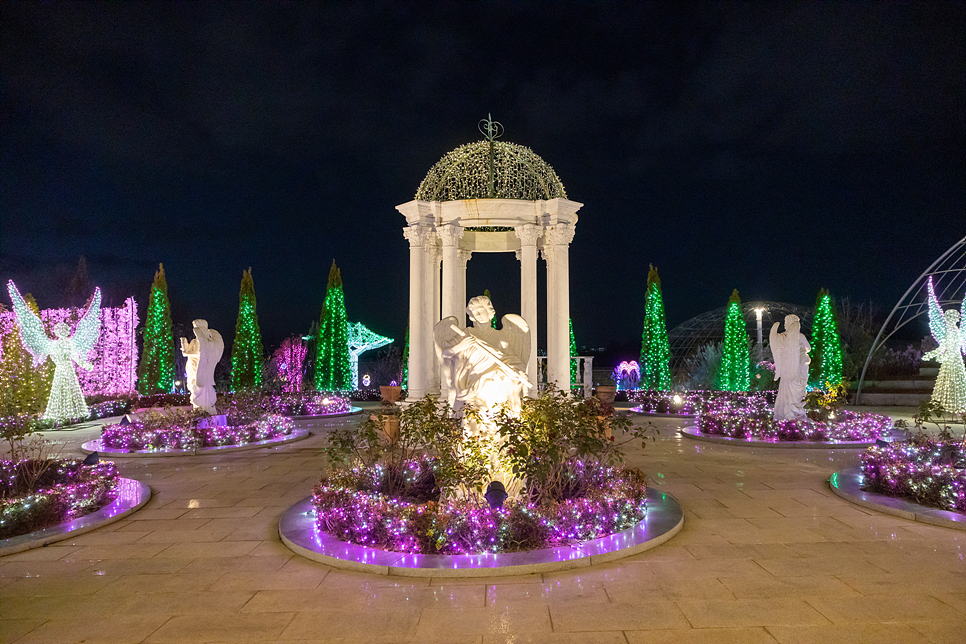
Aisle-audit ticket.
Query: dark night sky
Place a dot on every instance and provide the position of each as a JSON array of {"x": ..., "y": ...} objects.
[{"x": 773, "y": 147}]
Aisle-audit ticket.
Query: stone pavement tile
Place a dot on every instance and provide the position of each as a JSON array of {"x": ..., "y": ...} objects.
[
  {"x": 919, "y": 562},
  {"x": 305, "y": 579},
  {"x": 159, "y": 525},
  {"x": 702, "y": 636},
  {"x": 879, "y": 608},
  {"x": 267, "y": 548},
  {"x": 158, "y": 583},
  {"x": 193, "y": 502},
  {"x": 742, "y": 551},
  {"x": 763, "y": 588},
  {"x": 810, "y": 566},
  {"x": 610, "y": 572},
  {"x": 135, "y": 566},
  {"x": 233, "y": 512},
  {"x": 208, "y": 550},
  {"x": 472, "y": 581},
  {"x": 502, "y": 595},
  {"x": 744, "y": 511},
  {"x": 41, "y": 586},
  {"x": 698, "y": 588},
  {"x": 121, "y": 551},
  {"x": 609, "y": 637},
  {"x": 848, "y": 634},
  {"x": 181, "y": 603},
  {"x": 229, "y": 627},
  {"x": 750, "y": 612},
  {"x": 647, "y": 614},
  {"x": 348, "y": 579},
  {"x": 52, "y": 552},
  {"x": 105, "y": 538},
  {"x": 862, "y": 549},
  {"x": 235, "y": 564},
  {"x": 955, "y": 600},
  {"x": 708, "y": 568},
  {"x": 185, "y": 536},
  {"x": 304, "y": 600},
  {"x": 398, "y": 624},
  {"x": 775, "y": 536},
  {"x": 61, "y": 606},
  {"x": 159, "y": 514},
  {"x": 887, "y": 583},
  {"x": 93, "y": 630},
  {"x": 945, "y": 632},
  {"x": 11, "y": 629},
  {"x": 457, "y": 596},
  {"x": 43, "y": 568},
  {"x": 444, "y": 622}
]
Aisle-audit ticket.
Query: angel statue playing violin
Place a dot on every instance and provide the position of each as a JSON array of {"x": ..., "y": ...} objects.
[
  {"x": 949, "y": 330},
  {"x": 66, "y": 400}
]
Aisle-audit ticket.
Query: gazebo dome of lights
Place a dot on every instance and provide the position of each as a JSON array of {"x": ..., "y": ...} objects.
[{"x": 518, "y": 173}]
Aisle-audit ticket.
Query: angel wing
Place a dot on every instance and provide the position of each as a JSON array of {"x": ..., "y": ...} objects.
[
  {"x": 962, "y": 325},
  {"x": 88, "y": 329},
  {"x": 937, "y": 323},
  {"x": 31, "y": 328},
  {"x": 516, "y": 332}
]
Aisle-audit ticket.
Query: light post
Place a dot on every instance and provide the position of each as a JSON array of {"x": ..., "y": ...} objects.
[{"x": 758, "y": 312}]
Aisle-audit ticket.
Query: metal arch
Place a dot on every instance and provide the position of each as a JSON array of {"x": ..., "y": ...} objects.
[
  {"x": 951, "y": 281},
  {"x": 361, "y": 340}
]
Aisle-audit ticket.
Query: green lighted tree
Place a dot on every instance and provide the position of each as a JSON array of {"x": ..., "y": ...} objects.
[
  {"x": 735, "y": 374},
  {"x": 333, "y": 371},
  {"x": 655, "y": 350},
  {"x": 825, "y": 368},
  {"x": 573, "y": 353},
  {"x": 247, "y": 352},
  {"x": 26, "y": 389},
  {"x": 405, "y": 362},
  {"x": 486, "y": 294},
  {"x": 156, "y": 371}
]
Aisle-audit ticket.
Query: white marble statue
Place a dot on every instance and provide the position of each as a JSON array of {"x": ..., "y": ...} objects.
[
  {"x": 485, "y": 369},
  {"x": 949, "y": 330},
  {"x": 203, "y": 354},
  {"x": 790, "y": 351}
]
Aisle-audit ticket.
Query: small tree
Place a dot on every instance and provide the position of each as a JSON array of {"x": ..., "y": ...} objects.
[
  {"x": 574, "y": 376},
  {"x": 156, "y": 371},
  {"x": 247, "y": 352},
  {"x": 825, "y": 369},
  {"x": 26, "y": 388},
  {"x": 333, "y": 370},
  {"x": 735, "y": 374},
  {"x": 655, "y": 349}
]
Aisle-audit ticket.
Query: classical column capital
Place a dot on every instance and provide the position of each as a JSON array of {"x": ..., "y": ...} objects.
[
  {"x": 547, "y": 253},
  {"x": 433, "y": 249},
  {"x": 560, "y": 235},
  {"x": 417, "y": 235},
  {"x": 450, "y": 234},
  {"x": 519, "y": 255},
  {"x": 528, "y": 234},
  {"x": 464, "y": 256}
]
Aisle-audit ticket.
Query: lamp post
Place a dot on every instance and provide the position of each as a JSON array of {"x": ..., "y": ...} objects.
[{"x": 758, "y": 312}]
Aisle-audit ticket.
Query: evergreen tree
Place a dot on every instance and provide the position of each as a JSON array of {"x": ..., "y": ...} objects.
[
  {"x": 156, "y": 371},
  {"x": 573, "y": 352},
  {"x": 405, "y": 362},
  {"x": 655, "y": 349},
  {"x": 735, "y": 374},
  {"x": 333, "y": 371},
  {"x": 247, "y": 353},
  {"x": 825, "y": 368},
  {"x": 26, "y": 388}
]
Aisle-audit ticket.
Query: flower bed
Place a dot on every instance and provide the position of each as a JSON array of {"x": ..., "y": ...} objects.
[
  {"x": 687, "y": 403},
  {"x": 316, "y": 404},
  {"x": 138, "y": 436},
  {"x": 66, "y": 490},
  {"x": 752, "y": 418},
  {"x": 350, "y": 506},
  {"x": 925, "y": 470}
]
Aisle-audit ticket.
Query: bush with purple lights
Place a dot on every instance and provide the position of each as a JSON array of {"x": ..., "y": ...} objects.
[
  {"x": 187, "y": 431},
  {"x": 686, "y": 403},
  {"x": 39, "y": 493},
  {"x": 398, "y": 495},
  {"x": 923, "y": 469}
]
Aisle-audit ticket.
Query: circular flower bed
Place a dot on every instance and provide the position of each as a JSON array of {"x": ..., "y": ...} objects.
[
  {"x": 190, "y": 434},
  {"x": 314, "y": 404},
  {"x": 351, "y": 506},
  {"x": 930, "y": 472},
  {"x": 36, "y": 494},
  {"x": 687, "y": 403},
  {"x": 752, "y": 418}
]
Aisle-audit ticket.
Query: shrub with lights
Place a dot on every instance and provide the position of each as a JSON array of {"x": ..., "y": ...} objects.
[
  {"x": 734, "y": 373},
  {"x": 333, "y": 369},
  {"x": 825, "y": 369},
  {"x": 156, "y": 370},
  {"x": 687, "y": 403},
  {"x": 423, "y": 491},
  {"x": 655, "y": 349},
  {"x": 247, "y": 357}
]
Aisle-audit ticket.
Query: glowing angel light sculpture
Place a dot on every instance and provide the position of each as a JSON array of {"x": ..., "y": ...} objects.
[
  {"x": 949, "y": 331},
  {"x": 66, "y": 400},
  {"x": 361, "y": 340}
]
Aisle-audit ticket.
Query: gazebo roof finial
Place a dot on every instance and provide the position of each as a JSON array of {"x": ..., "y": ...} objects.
[{"x": 492, "y": 130}]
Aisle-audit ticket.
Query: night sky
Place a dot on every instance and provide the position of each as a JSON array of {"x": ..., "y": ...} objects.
[{"x": 776, "y": 148}]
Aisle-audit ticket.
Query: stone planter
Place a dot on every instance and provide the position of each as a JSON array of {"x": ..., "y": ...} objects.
[
  {"x": 390, "y": 393},
  {"x": 606, "y": 394}
]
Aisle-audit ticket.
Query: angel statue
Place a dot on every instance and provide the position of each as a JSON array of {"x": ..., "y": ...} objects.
[
  {"x": 203, "y": 354},
  {"x": 950, "y": 333},
  {"x": 66, "y": 400},
  {"x": 485, "y": 369},
  {"x": 790, "y": 350}
]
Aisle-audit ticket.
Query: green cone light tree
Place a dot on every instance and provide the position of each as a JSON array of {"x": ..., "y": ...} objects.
[
  {"x": 156, "y": 371},
  {"x": 247, "y": 352},
  {"x": 26, "y": 389},
  {"x": 655, "y": 349},
  {"x": 825, "y": 369},
  {"x": 333, "y": 371},
  {"x": 735, "y": 374},
  {"x": 573, "y": 355}
]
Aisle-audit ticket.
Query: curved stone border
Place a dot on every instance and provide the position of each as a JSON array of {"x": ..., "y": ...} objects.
[
  {"x": 352, "y": 412},
  {"x": 297, "y": 530},
  {"x": 131, "y": 495},
  {"x": 694, "y": 433},
  {"x": 847, "y": 484},
  {"x": 95, "y": 446},
  {"x": 653, "y": 414}
]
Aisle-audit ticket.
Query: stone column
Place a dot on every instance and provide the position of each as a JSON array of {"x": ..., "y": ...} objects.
[
  {"x": 434, "y": 256},
  {"x": 420, "y": 326},
  {"x": 547, "y": 253},
  {"x": 528, "y": 235},
  {"x": 463, "y": 256},
  {"x": 452, "y": 272},
  {"x": 558, "y": 238}
]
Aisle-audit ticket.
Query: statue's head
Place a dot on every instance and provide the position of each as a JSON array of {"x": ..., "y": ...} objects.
[
  {"x": 792, "y": 322},
  {"x": 62, "y": 330},
  {"x": 200, "y": 324},
  {"x": 480, "y": 310},
  {"x": 952, "y": 316}
]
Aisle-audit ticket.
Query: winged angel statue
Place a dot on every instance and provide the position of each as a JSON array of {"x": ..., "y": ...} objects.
[
  {"x": 66, "y": 400},
  {"x": 949, "y": 330}
]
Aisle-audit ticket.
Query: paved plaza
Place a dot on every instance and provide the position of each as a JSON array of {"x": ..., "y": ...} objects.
[{"x": 767, "y": 554}]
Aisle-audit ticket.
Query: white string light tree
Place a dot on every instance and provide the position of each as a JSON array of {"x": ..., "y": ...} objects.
[
  {"x": 66, "y": 401},
  {"x": 949, "y": 330}
]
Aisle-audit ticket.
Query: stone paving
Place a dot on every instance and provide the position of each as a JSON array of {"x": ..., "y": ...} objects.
[{"x": 767, "y": 554}]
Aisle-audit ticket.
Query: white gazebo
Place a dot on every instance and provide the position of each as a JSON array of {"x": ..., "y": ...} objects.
[{"x": 488, "y": 197}]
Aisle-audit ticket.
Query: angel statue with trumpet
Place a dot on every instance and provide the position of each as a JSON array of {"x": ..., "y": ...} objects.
[
  {"x": 66, "y": 400},
  {"x": 949, "y": 330}
]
